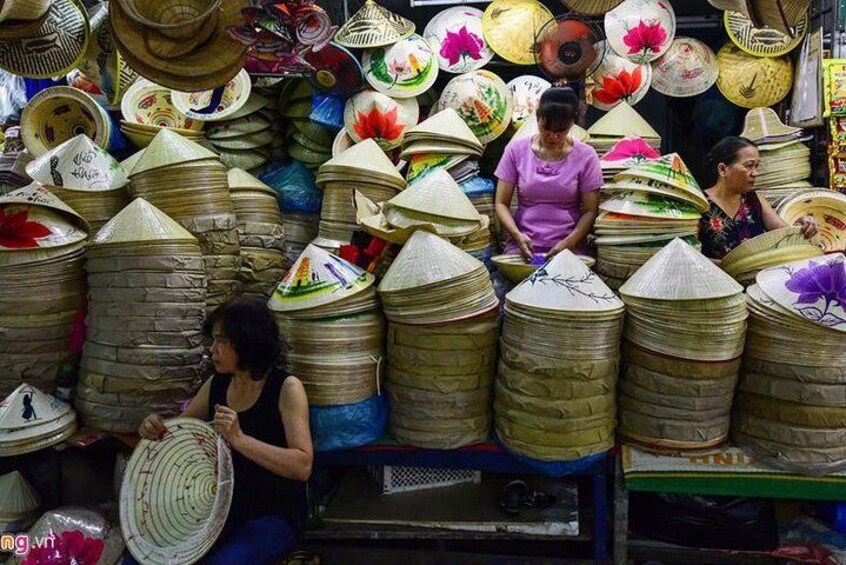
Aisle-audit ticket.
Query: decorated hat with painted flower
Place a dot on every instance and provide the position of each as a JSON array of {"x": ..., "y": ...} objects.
[
  {"x": 456, "y": 36},
  {"x": 641, "y": 30}
]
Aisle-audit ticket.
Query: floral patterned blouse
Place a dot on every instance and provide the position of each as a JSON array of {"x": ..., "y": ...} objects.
[{"x": 720, "y": 233}]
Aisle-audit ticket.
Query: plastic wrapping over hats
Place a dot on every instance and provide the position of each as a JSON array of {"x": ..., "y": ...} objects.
[
  {"x": 456, "y": 36},
  {"x": 511, "y": 26},
  {"x": 78, "y": 164},
  {"x": 591, "y": 7},
  {"x": 214, "y": 105},
  {"x": 526, "y": 91},
  {"x": 753, "y": 82},
  {"x": 616, "y": 80},
  {"x": 405, "y": 69},
  {"x": 569, "y": 48},
  {"x": 641, "y": 30},
  {"x": 59, "y": 113},
  {"x": 373, "y": 26},
  {"x": 763, "y": 42},
  {"x": 687, "y": 68},
  {"x": 483, "y": 102},
  {"x": 155, "y": 493},
  {"x": 373, "y": 115}
]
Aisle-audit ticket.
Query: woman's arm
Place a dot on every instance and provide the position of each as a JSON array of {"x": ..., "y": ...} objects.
[
  {"x": 590, "y": 209},
  {"x": 504, "y": 194},
  {"x": 772, "y": 221}
]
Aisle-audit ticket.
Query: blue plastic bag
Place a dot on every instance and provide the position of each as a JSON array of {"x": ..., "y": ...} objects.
[
  {"x": 294, "y": 186},
  {"x": 478, "y": 185},
  {"x": 349, "y": 425}
]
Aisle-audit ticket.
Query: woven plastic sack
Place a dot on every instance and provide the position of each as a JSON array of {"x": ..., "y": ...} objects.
[
  {"x": 294, "y": 186},
  {"x": 349, "y": 425}
]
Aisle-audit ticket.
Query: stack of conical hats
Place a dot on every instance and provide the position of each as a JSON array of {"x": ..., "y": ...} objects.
[
  {"x": 18, "y": 502},
  {"x": 260, "y": 233},
  {"x": 621, "y": 122},
  {"x": 31, "y": 420},
  {"x": 559, "y": 358},
  {"x": 626, "y": 154},
  {"x": 772, "y": 248},
  {"x": 309, "y": 142},
  {"x": 646, "y": 206},
  {"x": 439, "y": 385},
  {"x": 481, "y": 192},
  {"x": 85, "y": 177},
  {"x": 790, "y": 406},
  {"x": 685, "y": 328},
  {"x": 43, "y": 285},
  {"x": 331, "y": 328},
  {"x": 363, "y": 167},
  {"x": 442, "y": 133},
  {"x": 147, "y": 297},
  {"x": 188, "y": 183},
  {"x": 244, "y": 139},
  {"x": 827, "y": 207}
]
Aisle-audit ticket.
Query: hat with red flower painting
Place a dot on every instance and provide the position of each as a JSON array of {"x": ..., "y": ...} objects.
[
  {"x": 373, "y": 115},
  {"x": 616, "y": 80},
  {"x": 641, "y": 30}
]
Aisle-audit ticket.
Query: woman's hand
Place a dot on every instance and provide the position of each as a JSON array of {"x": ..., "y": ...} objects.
[
  {"x": 524, "y": 243},
  {"x": 152, "y": 428},
  {"x": 559, "y": 247},
  {"x": 227, "y": 425},
  {"x": 808, "y": 225}
]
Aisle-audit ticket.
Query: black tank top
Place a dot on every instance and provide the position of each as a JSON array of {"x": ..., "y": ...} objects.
[{"x": 257, "y": 491}]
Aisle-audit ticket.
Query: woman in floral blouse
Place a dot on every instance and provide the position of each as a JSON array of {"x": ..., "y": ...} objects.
[{"x": 736, "y": 212}]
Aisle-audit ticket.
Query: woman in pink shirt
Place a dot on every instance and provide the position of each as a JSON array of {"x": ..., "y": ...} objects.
[{"x": 557, "y": 180}]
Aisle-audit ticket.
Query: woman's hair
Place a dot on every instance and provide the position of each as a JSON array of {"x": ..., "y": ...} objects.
[
  {"x": 727, "y": 150},
  {"x": 252, "y": 330},
  {"x": 557, "y": 108}
]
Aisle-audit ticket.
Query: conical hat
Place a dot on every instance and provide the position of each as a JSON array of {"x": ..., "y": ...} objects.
[
  {"x": 679, "y": 272},
  {"x": 761, "y": 124},
  {"x": 78, "y": 164},
  {"x": 437, "y": 194},
  {"x": 318, "y": 278},
  {"x": 27, "y": 406},
  {"x": 427, "y": 259},
  {"x": 753, "y": 82},
  {"x": 669, "y": 169},
  {"x": 141, "y": 221},
  {"x": 36, "y": 194},
  {"x": 239, "y": 178},
  {"x": 17, "y": 497},
  {"x": 373, "y": 26},
  {"x": 366, "y": 156},
  {"x": 628, "y": 152},
  {"x": 128, "y": 163},
  {"x": 169, "y": 148},
  {"x": 565, "y": 284},
  {"x": 446, "y": 124},
  {"x": 623, "y": 121},
  {"x": 48, "y": 223}
]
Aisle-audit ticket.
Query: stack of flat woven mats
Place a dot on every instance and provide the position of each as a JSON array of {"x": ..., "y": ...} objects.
[{"x": 775, "y": 247}]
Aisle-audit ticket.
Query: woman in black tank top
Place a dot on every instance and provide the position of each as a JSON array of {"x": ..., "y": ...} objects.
[{"x": 263, "y": 414}]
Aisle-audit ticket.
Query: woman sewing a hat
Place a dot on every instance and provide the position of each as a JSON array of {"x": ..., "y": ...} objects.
[
  {"x": 557, "y": 180},
  {"x": 263, "y": 414},
  {"x": 737, "y": 213}
]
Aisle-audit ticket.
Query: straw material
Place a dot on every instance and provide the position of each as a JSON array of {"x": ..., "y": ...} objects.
[
  {"x": 482, "y": 100},
  {"x": 373, "y": 26},
  {"x": 60, "y": 113},
  {"x": 19, "y": 502},
  {"x": 436, "y": 194},
  {"x": 426, "y": 259},
  {"x": 147, "y": 103},
  {"x": 766, "y": 41},
  {"x": 168, "y": 149},
  {"x": 782, "y": 238},
  {"x": 510, "y": 28},
  {"x": 373, "y": 115},
  {"x": 515, "y": 268},
  {"x": 827, "y": 208},
  {"x": 688, "y": 68},
  {"x": 753, "y": 82},
  {"x": 364, "y": 159},
  {"x": 141, "y": 222},
  {"x": 441, "y": 33},
  {"x": 658, "y": 16},
  {"x": 31, "y": 420},
  {"x": 591, "y": 7},
  {"x": 413, "y": 53},
  {"x": 445, "y": 125},
  {"x": 623, "y": 121},
  {"x": 763, "y": 126},
  {"x": 236, "y": 92},
  {"x": 78, "y": 164}
]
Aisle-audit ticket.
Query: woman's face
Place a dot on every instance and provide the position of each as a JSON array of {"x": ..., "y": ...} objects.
[
  {"x": 740, "y": 175},
  {"x": 224, "y": 357},
  {"x": 552, "y": 139}
]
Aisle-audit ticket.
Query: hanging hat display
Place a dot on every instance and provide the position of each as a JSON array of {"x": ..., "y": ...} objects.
[
  {"x": 372, "y": 115},
  {"x": 763, "y": 41},
  {"x": 568, "y": 48},
  {"x": 617, "y": 79},
  {"x": 591, "y": 7},
  {"x": 405, "y": 69},
  {"x": 482, "y": 100},
  {"x": 456, "y": 36},
  {"x": 688, "y": 68},
  {"x": 336, "y": 70},
  {"x": 373, "y": 26},
  {"x": 827, "y": 207},
  {"x": 781, "y": 15},
  {"x": 42, "y": 38},
  {"x": 641, "y": 30},
  {"x": 526, "y": 91},
  {"x": 510, "y": 28},
  {"x": 59, "y": 113},
  {"x": 102, "y": 62},
  {"x": 214, "y": 105},
  {"x": 752, "y": 82}
]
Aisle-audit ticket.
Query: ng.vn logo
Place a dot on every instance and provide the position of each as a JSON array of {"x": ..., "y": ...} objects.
[{"x": 22, "y": 544}]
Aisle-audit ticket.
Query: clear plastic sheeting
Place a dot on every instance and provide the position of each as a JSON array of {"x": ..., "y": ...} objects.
[{"x": 349, "y": 425}]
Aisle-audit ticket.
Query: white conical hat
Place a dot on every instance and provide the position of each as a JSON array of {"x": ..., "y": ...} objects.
[
  {"x": 78, "y": 164},
  {"x": 565, "y": 284},
  {"x": 169, "y": 148},
  {"x": 318, "y": 278},
  {"x": 680, "y": 272},
  {"x": 239, "y": 178},
  {"x": 427, "y": 259},
  {"x": 27, "y": 406},
  {"x": 128, "y": 163},
  {"x": 437, "y": 194},
  {"x": 623, "y": 121},
  {"x": 446, "y": 124},
  {"x": 141, "y": 221},
  {"x": 17, "y": 497},
  {"x": 366, "y": 156}
]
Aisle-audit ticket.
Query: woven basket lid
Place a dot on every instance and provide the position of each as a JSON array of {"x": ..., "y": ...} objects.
[
  {"x": 27, "y": 407},
  {"x": 373, "y": 26},
  {"x": 236, "y": 92},
  {"x": 482, "y": 100},
  {"x": 456, "y": 36},
  {"x": 511, "y": 26},
  {"x": 669, "y": 169},
  {"x": 17, "y": 497},
  {"x": 191, "y": 467},
  {"x": 445, "y": 124},
  {"x": 623, "y": 121},
  {"x": 318, "y": 278},
  {"x": 59, "y": 113},
  {"x": 140, "y": 222},
  {"x": 168, "y": 149},
  {"x": 762, "y": 124},
  {"x": 437, "y": 194},
  {"x": 616, "y": 80},
  {"x": 679, "y": 272},
  {"x": 811, "y": 289},
  {"x": 641, "y": 30},
  {"x": 239, "y": 178},
  {"x": 427, "y": 259},
  {"x": 405, "y": 69},
  {"x": 78, "y": 164},
  {"x": 366, "y": 156},
  {"x": 753, "y": 82},
  {"x": 373, "y": 115},
  {"x": 565, "y": 284},
  {"x": 591, "y": 7},
  {"x": 688, "y": 68}
]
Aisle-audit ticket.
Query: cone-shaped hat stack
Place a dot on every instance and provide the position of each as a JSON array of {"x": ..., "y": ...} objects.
[
  {"x": 559, "y": 358},
  {"x": 188, "y": 183},
  {"x": 331, "y": 328},
  {"x": 260, "y": 233},
  {"x": 85, "y": 177},
  {"x": 790, "y": 407},
  {"x": 621, "y": 122},
  {"x": 18, "y": 502},
  {"x": 373, "y": 26},
  {"x": 481, "y": 192},
  {"x": 645, "y": 207},
  {"x": 684, "y": 330},
  {"x": 626, "y": 154},
  {"x": 43, "y": 285},
  {"x": 772, "y": 248},
  {"x": 245, "y": 139},
  {"x": 147, "y": 301},
  {"x": 309, "y": 142},
  {"x": 827, "y": 207},
  {"x": 444, "y": 132},
  {"x": 31, "y": 420}
]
